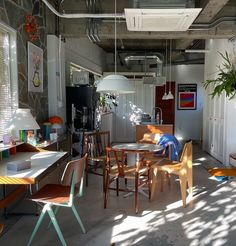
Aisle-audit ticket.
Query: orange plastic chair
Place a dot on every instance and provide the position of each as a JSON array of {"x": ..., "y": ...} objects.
[
  {"x": 61, "y": 195},
  {"x": 183, "y": 169}
]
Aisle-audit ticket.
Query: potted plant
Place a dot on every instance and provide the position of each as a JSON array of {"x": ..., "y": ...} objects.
[{"x": 226, "y": 79}]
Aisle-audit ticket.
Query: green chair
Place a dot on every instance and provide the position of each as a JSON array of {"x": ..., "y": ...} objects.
[{"x": 61, "y": 195}]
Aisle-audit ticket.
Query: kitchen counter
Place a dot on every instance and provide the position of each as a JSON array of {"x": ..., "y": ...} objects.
[{"x": 152, "y": 128}]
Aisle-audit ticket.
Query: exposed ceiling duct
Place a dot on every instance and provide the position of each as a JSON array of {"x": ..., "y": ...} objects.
[{"x": 156, "y": 80}]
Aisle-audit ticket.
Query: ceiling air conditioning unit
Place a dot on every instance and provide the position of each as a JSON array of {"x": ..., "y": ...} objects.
[
  {"x": 160, "y": 20},
  {"x": 157, "y": 81}
]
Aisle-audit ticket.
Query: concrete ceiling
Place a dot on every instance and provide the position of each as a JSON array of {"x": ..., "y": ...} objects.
[{"x": 212, "y": 17}]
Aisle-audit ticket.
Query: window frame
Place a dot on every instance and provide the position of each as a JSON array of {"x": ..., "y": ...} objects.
[{"x": 13, "y": 68}]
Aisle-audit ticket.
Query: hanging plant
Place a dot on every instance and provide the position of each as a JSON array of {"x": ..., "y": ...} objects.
[{"x": 226, "y": 79}]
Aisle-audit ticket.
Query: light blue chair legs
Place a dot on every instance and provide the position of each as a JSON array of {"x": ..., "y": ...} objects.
[
  {"x": 48, "y": 208},
  {"x": 55, "y": 212},
  {"x": 37, "y": 225},
  {"x": 56, "y": 226},
  {"x": 78, "y": 218}
]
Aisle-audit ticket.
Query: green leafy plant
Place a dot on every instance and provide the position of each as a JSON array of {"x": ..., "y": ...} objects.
[{"x": 226, "y": 79}]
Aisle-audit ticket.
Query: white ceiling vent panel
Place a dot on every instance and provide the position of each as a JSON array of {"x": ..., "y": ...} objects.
[{"x": 161, "y": 20}]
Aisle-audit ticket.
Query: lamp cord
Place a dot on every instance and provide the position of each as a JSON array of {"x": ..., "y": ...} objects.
[
  {"x": 166, "y": 67},
  {"x": 170, "y": 65},
  {"x": 115, "y": 36}
]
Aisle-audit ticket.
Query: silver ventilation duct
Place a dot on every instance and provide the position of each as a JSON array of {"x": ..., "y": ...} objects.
[{"x": 158, "y": 79}]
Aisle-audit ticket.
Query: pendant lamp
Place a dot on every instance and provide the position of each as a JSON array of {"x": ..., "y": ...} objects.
[
  {"x": 114, "y": 83},
  {"x": 165, "y": 94},
  {"x": 170, "y": 96}
]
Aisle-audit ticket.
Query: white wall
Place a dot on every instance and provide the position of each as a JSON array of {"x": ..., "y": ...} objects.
[
  {"x": 188, "y": 123},
  {"x": 56, "y": 77},
  {"x": 84, "y": 53},
  {"x": 220, "y": 108}
]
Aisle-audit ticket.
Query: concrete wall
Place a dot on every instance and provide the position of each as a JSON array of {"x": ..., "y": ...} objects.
[
  {"x": 84, "y": 53},
  {"x": 13, "y": 13},
  {"x": 188, "y": 123}
]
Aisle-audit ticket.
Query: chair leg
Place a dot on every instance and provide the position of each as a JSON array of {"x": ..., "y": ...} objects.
[
  {"x": 153, "y": 182},
  {"x": 117, "y": 187},
  {"x": 55, "y": 212},
  {"x": 162, "y": 173},
  {"x": 38, "y": 224},
  {"x": 168, "y": 178},
  {"x": 87, "y": 170},
  {"x": 56, "y": 226},
  {"x": 103, "y": 175},
  {"x": 190, "y": 184},
  {"x": 106, "y": 189},
  {"x": 183, "y": 187},
  {"x": 78, "y": 218},
  {"x": 136, "y": 193}
]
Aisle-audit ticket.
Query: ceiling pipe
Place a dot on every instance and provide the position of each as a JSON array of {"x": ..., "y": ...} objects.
[
  {"x": 94, "y": 16},
  {"x": 217, "y": 22},
  {"x": 197, "y": 26}
]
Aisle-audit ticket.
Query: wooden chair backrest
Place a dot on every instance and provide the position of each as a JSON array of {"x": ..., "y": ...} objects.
[
  {"x": 187, "y": 155},
  {"x": 121, "y": 159},
  {"x": 76, "y": 168},
  {"x": 150, "y": 138},
  {"x": 96, "y": 143}
]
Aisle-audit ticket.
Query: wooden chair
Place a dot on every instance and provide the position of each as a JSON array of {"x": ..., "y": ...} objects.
[
  {"x": 95, "y": 147},
  {"x": 183, "y": 169},
  {"x": 1, "y": 228},
  {"x": 61, "y": 195},
  {"x": 138, "y": 172}
]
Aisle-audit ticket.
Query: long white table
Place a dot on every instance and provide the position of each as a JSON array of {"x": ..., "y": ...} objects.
[{"x": 42, "y": 164}]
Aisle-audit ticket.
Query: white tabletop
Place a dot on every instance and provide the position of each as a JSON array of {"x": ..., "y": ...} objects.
[
  {"x": 138, "y": 146},
  {"x": 40, "y": 162}
]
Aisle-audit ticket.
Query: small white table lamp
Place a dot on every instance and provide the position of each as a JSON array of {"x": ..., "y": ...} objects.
[{"x": 22, "y": 120}]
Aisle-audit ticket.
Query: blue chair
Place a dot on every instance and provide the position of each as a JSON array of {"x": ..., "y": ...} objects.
[{"x": 61, "y": 195}]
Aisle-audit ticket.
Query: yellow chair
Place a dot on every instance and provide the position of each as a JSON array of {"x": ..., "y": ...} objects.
[{"x": 183, "y": 169}]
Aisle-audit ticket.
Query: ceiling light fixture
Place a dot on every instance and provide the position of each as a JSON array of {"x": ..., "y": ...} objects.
[
  {"x": 115, "y": 83},
  {"x": 165, "y": 94},
  {"x": 170, "y": 96}
]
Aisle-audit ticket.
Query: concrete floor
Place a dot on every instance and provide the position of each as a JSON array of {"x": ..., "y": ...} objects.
[{"x": 210, "y": 218}]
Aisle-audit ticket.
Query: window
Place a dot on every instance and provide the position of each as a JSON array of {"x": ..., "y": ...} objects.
[{"x": 8, "y": 76}]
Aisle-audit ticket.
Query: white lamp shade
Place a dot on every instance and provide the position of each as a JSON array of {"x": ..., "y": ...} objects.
[
  {"x": 169, "y": 96},
  {"x": 115, "y": 84},
  {"x": 164, "y": 96},
  {"x": 23, "y": 120}
]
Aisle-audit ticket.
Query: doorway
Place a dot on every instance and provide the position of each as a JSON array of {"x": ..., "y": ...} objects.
[{"x": 167, "y": 106}]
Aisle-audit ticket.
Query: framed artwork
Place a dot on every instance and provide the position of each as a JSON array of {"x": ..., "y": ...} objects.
[
  {"x": 35, "y": 68},
  {"x": 187, "y": 96}
]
